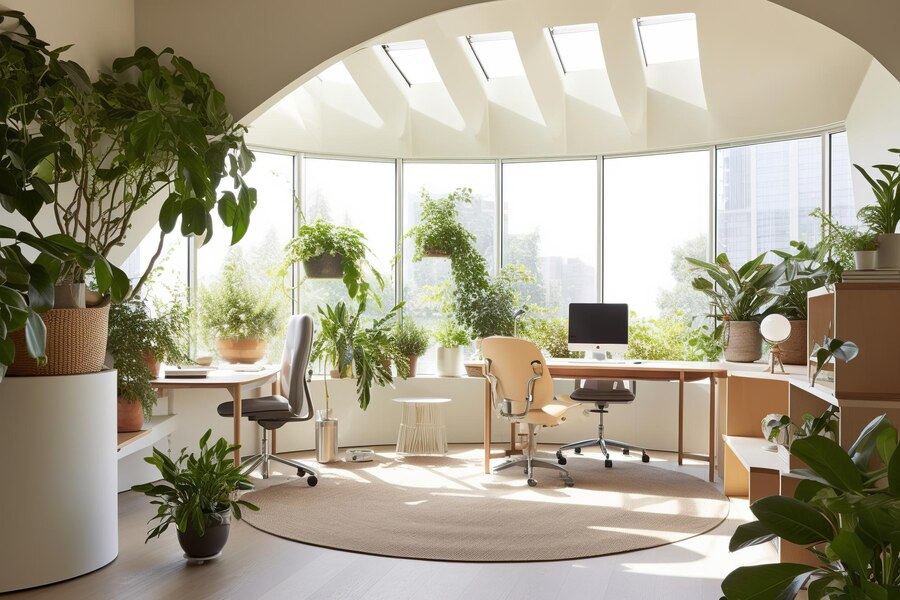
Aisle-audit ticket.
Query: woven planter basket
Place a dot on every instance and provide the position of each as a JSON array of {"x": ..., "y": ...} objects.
[
  {"x": 743, "y": 341},
  {"x": 793, "y": 351},
  {"x": 76, "y": 343}
]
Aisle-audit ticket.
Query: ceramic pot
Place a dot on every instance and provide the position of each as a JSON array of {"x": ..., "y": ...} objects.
[
  {"x": 324, "y": 266},
  {"x": 449, "y": 362},
  {"x": 245, "y": 352},
  {"x": 793, "y": 350},
  {"x": 866, "y": 259},
  {"x": 211, "y": 542},
  {"x": 129, "y": 416},
  {"x": 888, "y": 251},
  {"x": 152, "y": 364},
  {"x": 69, "y": 295},
  {"x": 413, "y": 363},
  {"x": 743, "y": 341}
]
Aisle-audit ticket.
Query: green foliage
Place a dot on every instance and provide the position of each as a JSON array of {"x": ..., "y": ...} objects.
[
  {"x": 883, "y": 216},
  {"x": 840, "y": 243},
  {"x": 804, "y": 271},
  {"x": 134, "y": 335},
  {"x": 153, "y": 126},
  {"x": 706, "y": 341},
  {"x": 847, "y": 514},
  {"x": 825, "y": 424},
  {"x": 738, "y": 295},
  {"x": 439, "y": 230},
  {"x": 832, "y": 348},
  {"x": 322, "y": 237},
  {"x": 550, "y": 335},
  {"x": 196, "y": 490},
  {"x": 449, "y": 334},
  {"x": 411, "y": 339},
  {"x": 344, "y": 342},
  {"x": 232, "y": 308},
  {"x": 666, "y": 338}
]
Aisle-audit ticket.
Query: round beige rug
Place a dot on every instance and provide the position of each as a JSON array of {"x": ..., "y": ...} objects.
[{"x": 445, "y": 508}]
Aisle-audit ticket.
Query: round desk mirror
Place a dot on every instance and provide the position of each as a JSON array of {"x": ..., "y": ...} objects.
[{"x": 775, "y": 329}]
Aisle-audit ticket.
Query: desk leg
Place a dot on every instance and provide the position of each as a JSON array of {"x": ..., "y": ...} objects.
[
  {"x": 487, "y": 427},
  {"x": 236, "y": 398},
  {"x": 681, "y": 418},
  {"x": 712, "y": 427}
]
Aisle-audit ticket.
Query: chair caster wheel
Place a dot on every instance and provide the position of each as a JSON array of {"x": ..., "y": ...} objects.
[
  {"x": 577, "y": 450},
  {"x": 608, "y": 464},
  {"x": 645, "y": 458},
  {"x": 312, "y": 481},
  {"x": 532, "y": 483},
  {"x": 301, "y": 473},
  {"x": 561, "y": 459},
  {"x": 626, "y": 451},
  {"x": 569, "y": 482}
]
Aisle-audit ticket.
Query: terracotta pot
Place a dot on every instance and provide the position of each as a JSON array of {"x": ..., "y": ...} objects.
[
  {"x": 794, "y": 348},
  {"x": 889, "y": 251},
  {"x": 743, "y": 341},
  {"x": 129, "y": 417},
  {"x": 245, "y": 352},
  {"x": 413, "y": 363},
  {"x": 152, "y": 364},
  {"x": 434, "y": 253},
  {"x": 325, "y": 266},
  {"x": 211, "y": 542}
]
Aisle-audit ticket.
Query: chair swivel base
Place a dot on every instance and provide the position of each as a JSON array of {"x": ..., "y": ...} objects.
[
  {"x": 523, "y": 461},
  {"x": 602, "y": 443},
  {"x": 250, "y": 463}
]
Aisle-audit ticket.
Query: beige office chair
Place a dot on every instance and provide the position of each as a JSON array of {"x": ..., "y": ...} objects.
[
  {"x": 272, "y": 412},
  {"x": 522, "y": 392},
  {"x": 602, "y": 393}
]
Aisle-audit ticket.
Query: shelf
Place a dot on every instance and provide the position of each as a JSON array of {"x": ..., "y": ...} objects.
[
  {"x": 752, "y": 454},
  {"x": 822, "y": 393},
  {"x": 158, "y": 428}
]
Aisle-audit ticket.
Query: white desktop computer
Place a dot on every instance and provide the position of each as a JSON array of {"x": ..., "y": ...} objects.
[{"x": 600, "y": 330}]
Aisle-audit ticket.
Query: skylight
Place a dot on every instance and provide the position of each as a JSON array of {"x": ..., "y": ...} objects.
[
  {"x": 336, "y": 73},
  {"x": 668, "y": 38},
  {"x": 578, "y": 47},
  {"x": 413, "y": 61},
  {"x": 497, "y": 54}
]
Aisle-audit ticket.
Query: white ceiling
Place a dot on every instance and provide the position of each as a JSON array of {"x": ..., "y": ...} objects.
[{"x": 762, "y": 70}]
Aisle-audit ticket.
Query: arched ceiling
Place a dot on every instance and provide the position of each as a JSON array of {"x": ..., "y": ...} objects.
[{"x": 761, "y": 69}]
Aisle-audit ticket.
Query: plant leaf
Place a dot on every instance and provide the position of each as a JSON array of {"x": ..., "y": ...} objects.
[
  {"x": 829, "y": 461},
  {"x": 793, "y": 520},
  {"x": 766, "y": 582}
]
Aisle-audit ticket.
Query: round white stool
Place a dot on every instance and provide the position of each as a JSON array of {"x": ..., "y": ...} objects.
[{"x": 422, "y": 428}]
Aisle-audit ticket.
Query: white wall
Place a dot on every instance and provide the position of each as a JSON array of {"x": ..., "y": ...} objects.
[{"x": 873, "y": 126}]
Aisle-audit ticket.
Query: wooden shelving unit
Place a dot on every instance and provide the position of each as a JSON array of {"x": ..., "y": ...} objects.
[{"x": 155, "y": 430}]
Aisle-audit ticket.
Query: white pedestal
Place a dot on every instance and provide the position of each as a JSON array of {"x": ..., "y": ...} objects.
[{"x": 58, "y": 506}]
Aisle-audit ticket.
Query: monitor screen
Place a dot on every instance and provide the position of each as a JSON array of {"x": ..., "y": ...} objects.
[{"x": 598, "y": 324}]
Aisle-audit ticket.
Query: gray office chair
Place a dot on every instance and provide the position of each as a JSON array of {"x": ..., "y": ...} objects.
[
  {"x": 602, "y": 393},
  {"x": 271, "y": 412}
]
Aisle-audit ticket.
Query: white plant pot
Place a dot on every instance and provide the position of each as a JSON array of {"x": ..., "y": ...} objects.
[
  {"x": 888, "y": 251},
  {"x": 449, "y": 362},
  {"x": 866, "y": 259}
]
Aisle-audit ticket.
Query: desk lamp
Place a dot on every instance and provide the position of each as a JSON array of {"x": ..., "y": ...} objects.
[{"x": 775, "y": 329}]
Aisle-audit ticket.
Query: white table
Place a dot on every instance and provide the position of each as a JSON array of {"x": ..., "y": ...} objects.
[{"x": 422, "y": 430}]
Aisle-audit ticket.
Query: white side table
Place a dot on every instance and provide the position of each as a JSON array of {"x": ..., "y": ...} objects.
[{"x": 422, "y": 428}]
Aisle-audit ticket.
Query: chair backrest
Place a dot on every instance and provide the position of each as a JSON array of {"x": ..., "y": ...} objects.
[
  {"x": 294, "y": 363},
  {"x": 510, "y": 362}
]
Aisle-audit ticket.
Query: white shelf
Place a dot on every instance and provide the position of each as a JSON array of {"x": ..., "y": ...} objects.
[
  {"x": 158, "y": 428},
  {"x": 753, "y": 454}
]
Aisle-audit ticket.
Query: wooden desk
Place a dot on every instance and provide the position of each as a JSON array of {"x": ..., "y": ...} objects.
[
  {"x": 645, "y": 371},
  {"x": 236, "y": 382}
]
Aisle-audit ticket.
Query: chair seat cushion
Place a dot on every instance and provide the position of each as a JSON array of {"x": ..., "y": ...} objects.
[
  {"x": 252, "y": 406},
  {"x": 589, "y": 395}
]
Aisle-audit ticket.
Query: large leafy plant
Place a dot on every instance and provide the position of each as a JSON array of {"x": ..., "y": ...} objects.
[
  {"x": 883, "y": 216},
  {"x": 741, "y": 294},
  {"x": 804, "y": 271},
  {"x": 196, "y": 491},
  {"x": 846, "y": 513},
  {"x": 232, "y": 307}
]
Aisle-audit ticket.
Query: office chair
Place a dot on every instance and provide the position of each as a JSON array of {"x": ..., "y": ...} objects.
[
  {"x": 522, "y": 392},
  {"x": 271, "y": 412},
  {"x": 601, "y": 394}
]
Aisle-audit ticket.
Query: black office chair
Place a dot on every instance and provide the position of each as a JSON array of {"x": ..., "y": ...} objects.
[
  {"x": 271, "y": 412},
  {"x": 602, "y": 393}
]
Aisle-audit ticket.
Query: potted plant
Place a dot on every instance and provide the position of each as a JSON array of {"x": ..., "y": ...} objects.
[
  {"x": 832, "y": 348},
  {"x": 439, "y": 232},
  {"x": 451, "y": 338},
  {"x": 739, "y": 297},
  {"x": 783, "y": 431},
  {"x": 882, "y": 217},
  {"x": 804, "y": 271},
  {"x": 199, "y": 495},
  {"x": 411, "y": 341},
  {"x": 237, "y": 316},
  {"x": 845, "y": 514}
]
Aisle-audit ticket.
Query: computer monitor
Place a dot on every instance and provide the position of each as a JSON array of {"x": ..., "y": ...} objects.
[{"x": 598, "y": 328}]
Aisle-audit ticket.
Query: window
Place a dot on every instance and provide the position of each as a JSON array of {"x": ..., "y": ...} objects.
[
  {"x": 497, "y": 54},
  {"x": 649, "y": 225},
  {"x": 413, "y": 61},
  {"x": 668, "y": 38},
  {"x": 550, "y": 227},
  {"x": 843, "y": 206},
  {"x": 358, "y": 194},
  {"x": 169, "y": 277},
  {"x": 578, "y": 47},
  {"x": 480, "y": 217},
  {"x": 765, "y": 195}
]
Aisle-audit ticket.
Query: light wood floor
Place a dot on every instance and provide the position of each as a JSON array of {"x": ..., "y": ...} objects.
[{"x": 259, "y": 565}]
